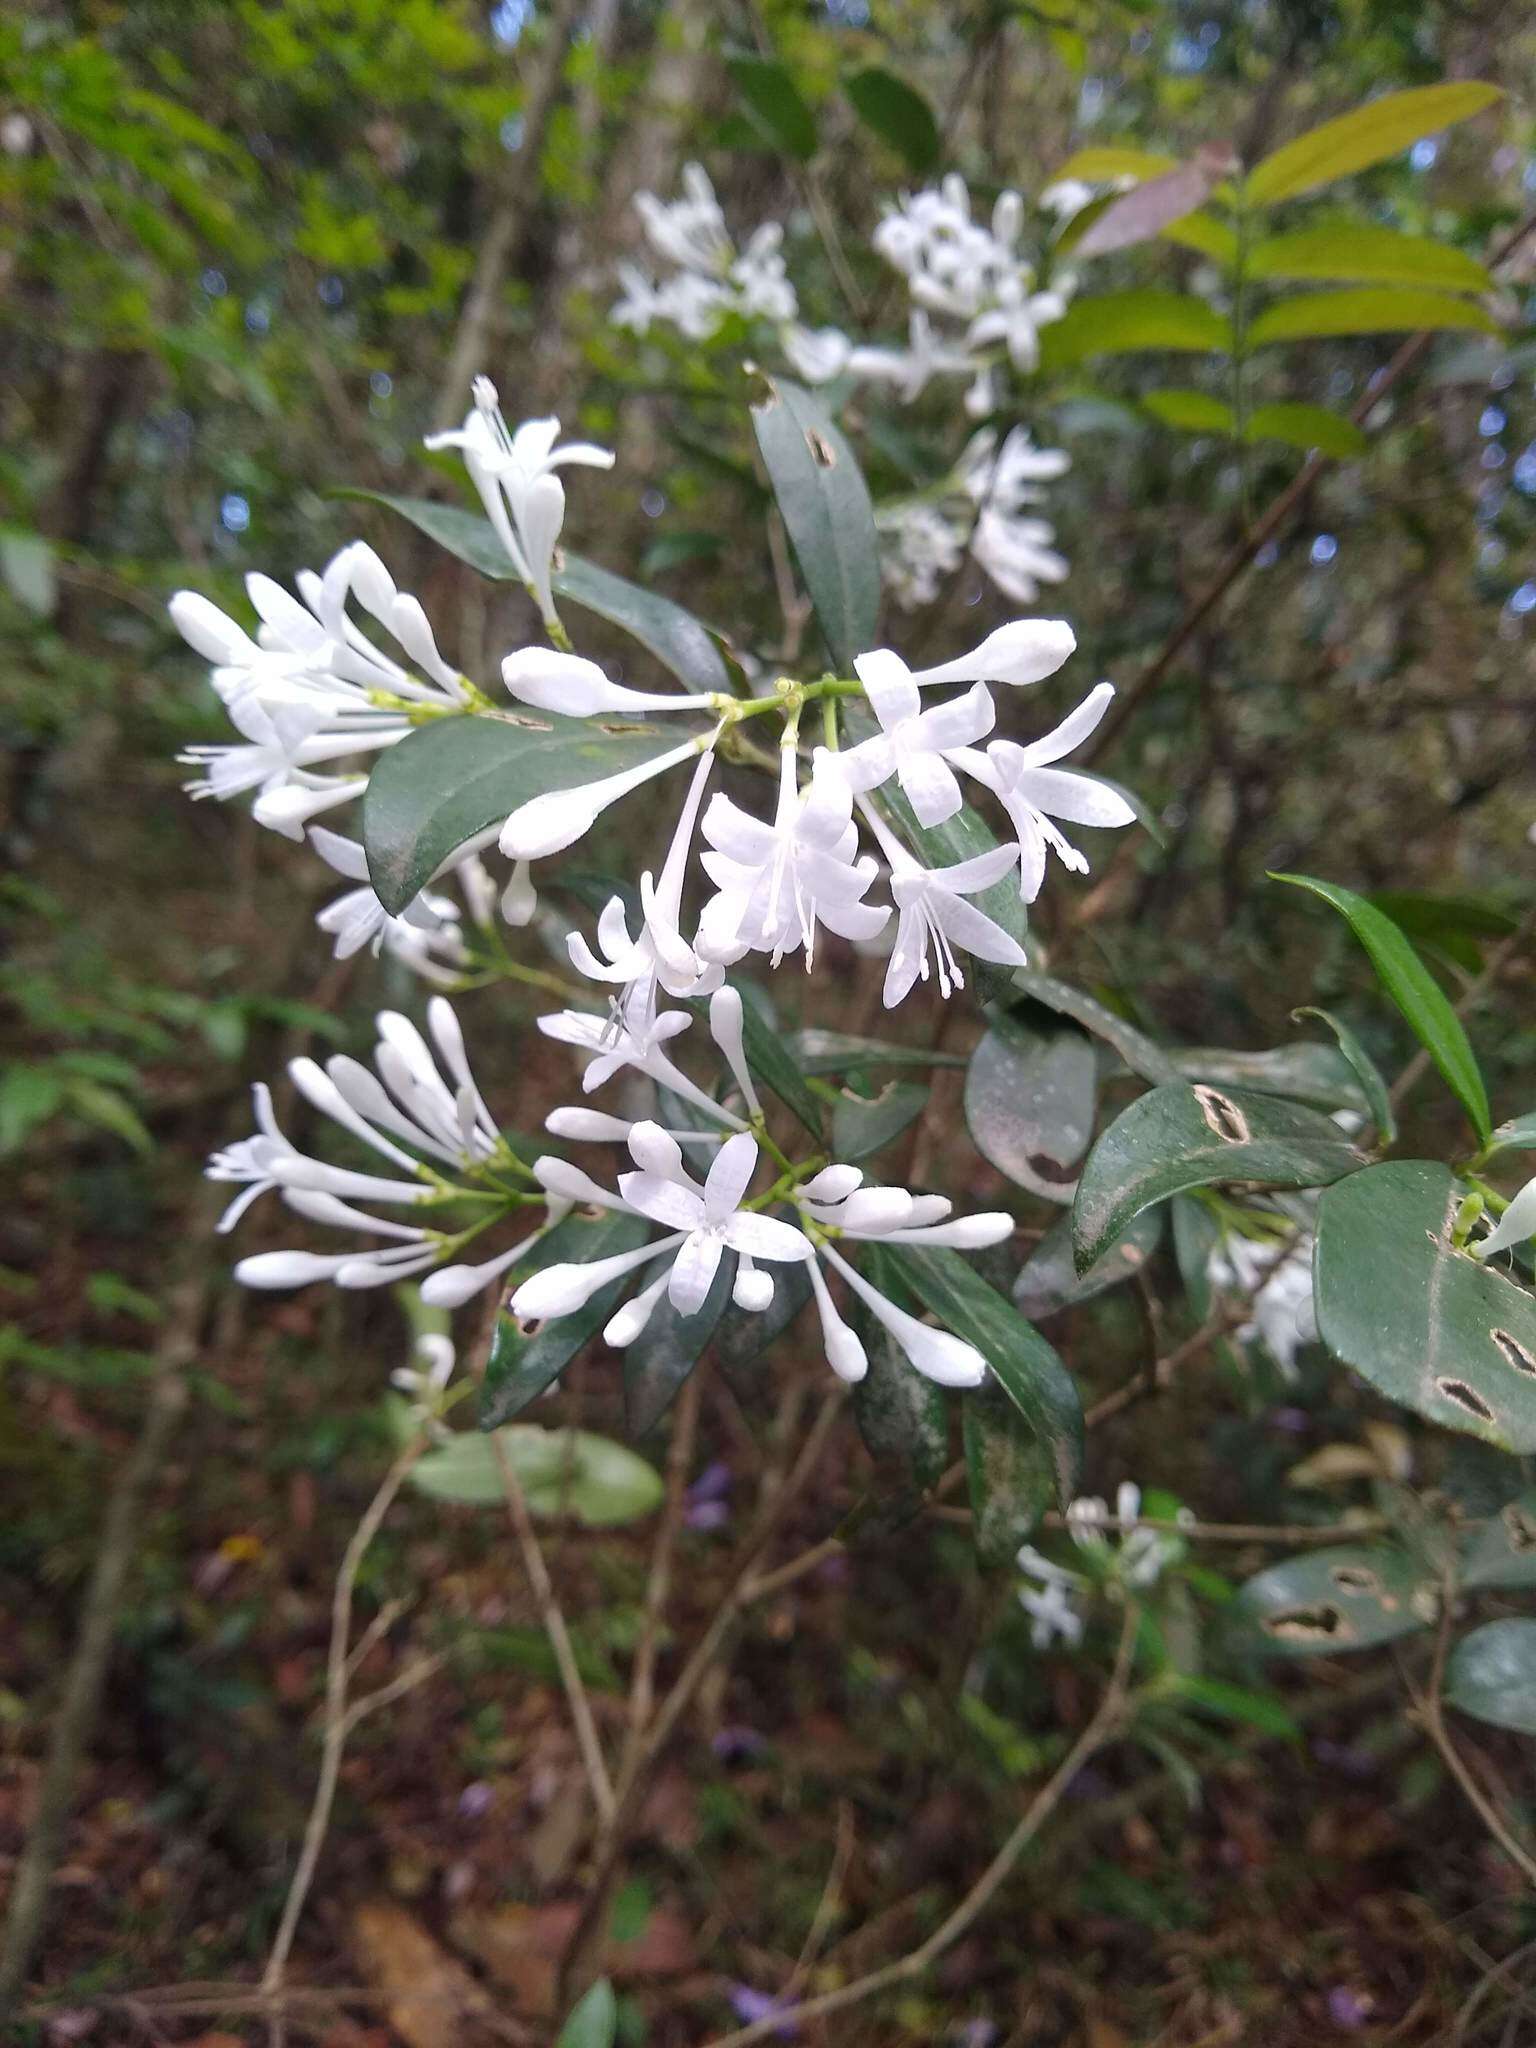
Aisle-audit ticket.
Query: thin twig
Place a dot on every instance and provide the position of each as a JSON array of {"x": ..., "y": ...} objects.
[
  {"x": 1106, "y": 1723},
  {"x": 827, "y": 1904},
  {"x": 1276, "y": 516}
]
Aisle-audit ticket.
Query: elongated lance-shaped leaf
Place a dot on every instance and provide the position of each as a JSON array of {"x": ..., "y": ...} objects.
[
  {"x": 670, "y": 632},
  {"x": 1026, "y": 1368},
  {"x": 1193, "y": 412},
  {"x": 1426, "y": 1323},
  {"x": 827, "y": 514},
  {"x": 1359, "y": 251},
  {"x": 902, "y": 1417},
  {"x": 668, "y": 1349},
  {"x": 1352, "y": 1598},
  {"x": 1049, "y": 1280},
  {"x": 594, "y": 2022},
  {"x": 1008, "y": 1472},
  {"x": 1312, "y": 316},
  {"x": 1416, "y": 993},
  {"x": 1180, "y": 1137},
  {"x": 524, "y": 1362},
  {"x": 896, "y": 112},
  {"x": 1307, "y": 427},
  {"x": 1369, "y": 135},
  {"x": 1143, "y": 1055},
  {"x": 456, "y": 780},
  {"x": 1302, "y": 1071},
  {"x": 865, "y": 1124},
  {"x": 774, "y": 103},
  {"x": 1372, "y": 1087},
  {"x": 1119, "y": 322}
]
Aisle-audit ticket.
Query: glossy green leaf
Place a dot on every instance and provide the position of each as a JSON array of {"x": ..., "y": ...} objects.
[
  {"x": 1181, "y": 1136},
  {"x": 816, "y": 1051},
  {"x": 773, "y": 103},
  {"x": 1361, "y": 251},
  {"x": 668, "y": 1349},
  {"x": 1416, "y": 993},
  {"x": 1302, "y": 1071},
  {"x": 563, "y": 1471},
  {"x": 1117, "y": 322},
  {"x": 1518, "y": 1135},
  {"x": 744, "y": 1334},
  {"x": 1049, "y": 1280},
  {"x": 522, "y": 1362},
  {"x": 1492, "y": 1674},
  {"x": 1008, "y": 1474},
  {"x": 594, "y": 2022},
  {"x": 902, "y": 1416},
  {"x": 771, "y": 1060},
  {"x": 1024, "y": 1365},
  {"x": 1501, "y": 1551},
  {"x": 897, "y": 113},
  {"x": 1306, "y": 427},
  {"x": 1196, "y": 1234},
  {"x": 1141, "y": 1054},
  {"x": 1195, "y": 412},
  {"x": 1434, "y": 1329},
  {"x": 1365, "y": 1070},
  {"x": 672, "y": 634},
  {"x": 864, "y": 1124},
  {"x": 827, "y": 514},
  {"x": 1373, "y": 309},
  {"x": 453, "y": 782},
  {"x": 1029, "y": 1104},
  {"x": 1351, "y": 1598},
  {"x": 1369, "y": 135}
]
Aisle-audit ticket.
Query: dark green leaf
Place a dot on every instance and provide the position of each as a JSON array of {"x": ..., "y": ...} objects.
[
  {"x": 1025, "y": 1366},
  {"x": 827, "y": 514},
  {"x": 1372, "y": 1087},
  {"x": 1141, "y": 1054},
  {"x": 1196, "y": 1234},
  {"x": 1368, "y": 135},
  {"x": 672, "y": 634},
  {"x": 902, "y": 1416},
  {"x": 1236, "y": 1703},
  {"x": 773, "y": 103},
  {"x": 815, "y": 1051},
  {"x": 1427, "y": 1324},
  {"x": 456, "y": 780},
  {"x": 1501, "y": 1551},
  {"x": 523, "y": 1364},
  {"x": 667, "y": 1350},
  {"x": 863, "y": 1124},
  {"x": 1049, "y": 1280},
  {"x": 1371, "y": 310},
  {"x": 1334, "y": 1600},
  {"x": 1518, "y": 1135},
  {"x": 1308, "y": 427},
  {"x": 897, "y": 113},
  {"x": 1305, "y": 1072},
  {"x": 1492, "y": 1674},
  {"x": 1008, "y": 1472},
  {"x": 1180, "y": 1137},
  {"x": 1414, "y": 990},
  {"x": 1029, "y": 1103}
]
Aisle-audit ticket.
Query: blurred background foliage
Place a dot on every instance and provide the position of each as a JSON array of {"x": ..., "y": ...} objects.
[{"x": 250, "y": 251}]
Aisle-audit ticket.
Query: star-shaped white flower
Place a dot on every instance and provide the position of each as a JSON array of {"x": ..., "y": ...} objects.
[
  {"x": 914, "y": 745},
  {"x": 1033, "y": 792}
]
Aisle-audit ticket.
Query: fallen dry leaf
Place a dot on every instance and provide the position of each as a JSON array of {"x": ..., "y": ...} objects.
[{"x": 430, "y": 1994}]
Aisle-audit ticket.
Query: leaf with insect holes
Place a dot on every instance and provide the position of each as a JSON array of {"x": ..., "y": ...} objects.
[
  {"x": 1414, "y": 990},
  {"x": 826, "y": 510},
  {"x": 1351, "y": 1598},
  {"x": 865, "y": 1124},
  {"x": 456, "y": 780},
  {"x": 1368, "y": 135},
  {"x": 1427, "y": 1324},
  {"x": 1180, "y": 1137},
  {"x": 673, "y": 635},
  {"x": 1501, "y": 1551}
]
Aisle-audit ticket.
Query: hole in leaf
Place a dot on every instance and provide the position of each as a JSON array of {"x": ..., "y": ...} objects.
[
  {"x": 529, "y": 1326},
  {"x": 619, "y": 728},
  {"x": 1515, "y": 1352},
  {"x": 1223, "y": 1117},
  {"x": 1519, "y": 1528},
  {"x": 529, "y": 724},
  {"x": 1310, "y": 1625},
  {"x": 1355, "y": 1578},
  {"x": 590, "y": 1213},
  {"x": 822, "y": 451},
  {"x": 1466, "y": 1397},
  {"x": 1052, "y": 1170}
]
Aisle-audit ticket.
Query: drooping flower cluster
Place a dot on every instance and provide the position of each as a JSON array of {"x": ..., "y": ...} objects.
[
  {"x": 1277, "y": 1279},
  {"x": 1120, "y": 1552},
  {"x": 973, "y": 304}
]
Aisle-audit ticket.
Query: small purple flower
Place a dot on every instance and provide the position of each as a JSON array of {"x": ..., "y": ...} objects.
[
  {"x": 713, "y": 1483},
  {"x": 1349, "y": 2008},
  {"x": 734, "y": 1745},
  {"x": 750, "y": 2006},
  {"x": 1294, "y": 1421},
  {"x": 707, "y": 1500},
  {"x": 976, "y": 2034},
  {"x": 475, "y": 1801},
  {"x": 707, "y": 1515}
]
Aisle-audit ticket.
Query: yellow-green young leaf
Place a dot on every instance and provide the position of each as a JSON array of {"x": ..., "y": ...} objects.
[
  {"x": 1314, "y": 315},
  {"x": 1095, "y": 166},
  {"x": 1360, "y": 250},
  {"x": 1305, "y": 426},
  {"x": 1206, "y": 235},
  {"x": 1368, "y": 136},
  {"x": 1416, "y": 993},
  {"x": 1121, "y": 321},
  {"x": 1197, "y": 412}
]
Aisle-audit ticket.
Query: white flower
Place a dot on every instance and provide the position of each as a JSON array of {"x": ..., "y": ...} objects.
[
  {"x": 1015, "y": 319},
  {"x": 938, "y": 1354},
  {"x": 777, "y": 882},
  {"x": 550, "y": 823},
  {"x": 515, "y": 476},
  {"x": 1278, "y": 1281},
  {"x": 633, "y": 1034},
  {"x": 896, "y": 1215},
  {"x": 816, "y": 354},
  {"x": 914, "y": 745},
  {"x": 1024, "y": 651},
  {"x": 1053, "y": 1601},
  {"x": 703, "y": 1223},
  {"x": 763, "y": 291},
  {"x": 930, "y": 911},
  {"x": 1033, "y": 792},
  {"x": 428, "y": 926},
  {"x": 1066, "y": 197},
  {"x": 713, "y": 279},
  {"x": 1141, "y": 1555},
  {"x": 1516, "y": 1224},
  {"x": 425, "y": 1384},
  {"x": 281, "y": 742},
  {"x": 909, "y": 371},
  {"x": 922, "y": 547},
  {"x": 690, "y": 231},
  {"x": 420, "y": 1110},
  {"x": 576, "y": 687}
]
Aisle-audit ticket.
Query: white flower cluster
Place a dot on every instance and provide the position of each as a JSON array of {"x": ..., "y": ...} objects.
[
  {"x": 1278, "y": 1281},
  {"x": 1120, "y": 1550},
  {"x": 958, "y": 271}
]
